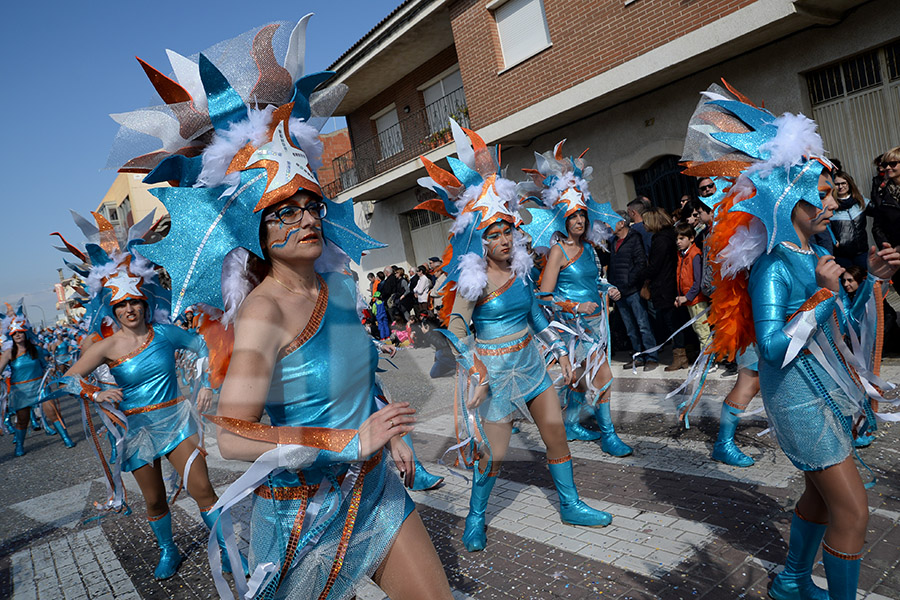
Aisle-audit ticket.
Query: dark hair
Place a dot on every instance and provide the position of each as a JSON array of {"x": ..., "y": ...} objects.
[
  {"x": 854, "y": 191},
  {"x": 698, "y": 204},
  {"x": 685, "y": 230},
  {"x": 857, "y": 272},
  {"x": 380, "y": 275},
  {"x": 423, "y": 270},
  {"x": 30, "y": 348},
  {"x": 638, "y": 205}
]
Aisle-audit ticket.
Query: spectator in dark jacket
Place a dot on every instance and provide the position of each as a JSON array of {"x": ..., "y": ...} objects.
[
  {"x": 885, "y": 205},
  {"x": 626, "y": 261},
  {"x": 659, "y": 274},
  {"x": 848, "y": 224},
  {"x": 635, "y": 209}
]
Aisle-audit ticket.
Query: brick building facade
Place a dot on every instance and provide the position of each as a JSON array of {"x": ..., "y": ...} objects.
[{"x": 620, "y": 77}]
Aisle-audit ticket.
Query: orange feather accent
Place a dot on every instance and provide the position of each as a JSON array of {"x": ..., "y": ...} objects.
[
  {"x": 738, "y": 95},
  {"x": 443, "y": 178},
  {"x": 731, "y": 313},
  {"x": 434, "y": 205},
  {"x": 220, "y": 342},
  {"x": 74, "y": 250},
  {"x": 477, "y": 142}
]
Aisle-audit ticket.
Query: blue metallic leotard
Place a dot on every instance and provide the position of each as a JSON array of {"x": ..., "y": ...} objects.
[
  {"x": 159, "y": 417},
  {"x": 805, "y": 405},
  {"x": 325, "y": 378},
  {"x": 25, "y": 380},
  {"x": 516, "y": 370}
]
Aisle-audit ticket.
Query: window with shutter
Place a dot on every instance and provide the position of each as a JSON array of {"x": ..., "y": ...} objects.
[{"x": 522, "y": 25}]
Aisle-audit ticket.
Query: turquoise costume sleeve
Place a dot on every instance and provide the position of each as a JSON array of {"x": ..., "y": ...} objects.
[
  {"x": 188, "y": 340},
  {"x": 770, "y": 290},
  {"x": 536, "y": 317}
]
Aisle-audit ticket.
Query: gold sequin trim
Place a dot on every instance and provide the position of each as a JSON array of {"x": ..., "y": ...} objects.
[
  {"x": 152, "y": 407},
  {"x": 559, "y": 461},
  {"x": 133, "y": 353},
  {"x": 497, "y": 292},
  {"x": 26, "y": 381},
  {"x": 506, "y": 350},
  {"x": 352, "y": 511},
  {"x": 323, "y": 438},
  {"x": 314, "y": 320}
]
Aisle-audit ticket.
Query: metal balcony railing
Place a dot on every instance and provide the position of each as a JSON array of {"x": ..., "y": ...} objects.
[{"x": 416, "y": 134}]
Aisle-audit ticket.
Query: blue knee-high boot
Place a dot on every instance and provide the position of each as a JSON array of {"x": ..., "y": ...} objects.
[
  {"x": 61, "y": 430},
  {"x": 474, "y": 537},
  {"x": 574, "y": 429},
  {"x": 571, "y": 509},
  {"x": 423, "y": 479},
  {"x": 609, "y": 441},
  {"x": 842, "y": 573},
  {"x": 169, "y": 556},
  {"x": 795, "y": 581},
  {"x": 19, "y": 437},
  {"x": 725, "y": 450},
  {"x": 209, "y": 519},
  {"x": 35, "y": 423}
]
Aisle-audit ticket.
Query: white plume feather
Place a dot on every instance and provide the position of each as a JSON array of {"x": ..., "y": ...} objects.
[
  {"x": 520, "y": 259},
  {"x": 217, "y": 156},
  {"x": 745, "y": 246},
  {"x": 795, "y": 138},
  {"x": 237, "y": 282},
  {"x": 472, "y": 276}
]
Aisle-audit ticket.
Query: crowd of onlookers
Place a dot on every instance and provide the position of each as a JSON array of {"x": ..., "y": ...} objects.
[{"x": 656, "y": 261}]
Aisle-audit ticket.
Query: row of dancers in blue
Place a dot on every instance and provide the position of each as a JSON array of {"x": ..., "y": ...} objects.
[{"x": 258, "y": 245}]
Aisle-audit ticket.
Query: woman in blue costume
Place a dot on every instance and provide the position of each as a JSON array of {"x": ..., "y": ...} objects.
[
  {"x": 160, "y": 420},
  {"x": 28, "y": 364},
  {"x": 813, "y": 384},
  {"x": 570, "y": 283},
  {"x": 327, "y": 511},
  {"x": 489, "y": 265}
]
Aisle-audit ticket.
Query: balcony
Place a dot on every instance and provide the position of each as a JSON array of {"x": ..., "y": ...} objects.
[{"x": 414, "y": 135}]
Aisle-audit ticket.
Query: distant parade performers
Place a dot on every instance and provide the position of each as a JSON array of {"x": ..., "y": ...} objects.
[
  {"x": 571, "y": 225},
  {"x": 815, "y": 373},
  {"x": 503, "y": 371},
  {"x": 28, "y": 362},
  {"x": 326, "y": 510}
]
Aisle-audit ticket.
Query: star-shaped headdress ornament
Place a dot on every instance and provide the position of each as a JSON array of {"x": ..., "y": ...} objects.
[
  {"x": 560, "y": 187},
  {"x": 240, "y": 133},
  {"x": 476, "y": 195},
  {"x": 113, "y": 273}
]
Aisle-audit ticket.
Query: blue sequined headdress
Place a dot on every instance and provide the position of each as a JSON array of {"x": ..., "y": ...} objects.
[
  {"x": 239, "y": 133},
  {"x": 774, "y": 161},
  {"x": 561, "y": 184},
  {"x": 113, "y": 274},
  {"x": 476, "y": 195}
]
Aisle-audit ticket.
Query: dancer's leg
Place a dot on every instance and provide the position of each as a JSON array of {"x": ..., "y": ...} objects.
[
  {"x": 548, "y": 417},
  {"x": 609, "y": 441},
  {"x": 498, "y": 434},
  {"x": 412, "y": 570},
  {"x": 23, "y": 418},
  {"x": 843, "y": 493},
  {"x": 725, "y": 450},
  {"x": 150, "y": 480},
  {"x": 198, "y": 485},
  {"x": 795, "y": 581}
]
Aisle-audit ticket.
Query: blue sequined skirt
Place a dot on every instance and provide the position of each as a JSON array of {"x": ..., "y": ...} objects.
[
  {"x": 806, "y": 409},
  {"x": 155, "y": 433},
  {"x": 516, "y": 375},
  {"x": 335, "y": 559},
  {"x": 24, "y": 395}
]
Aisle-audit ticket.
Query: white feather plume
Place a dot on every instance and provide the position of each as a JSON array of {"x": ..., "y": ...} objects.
[
  {"x": 237, "y": 282},
  {"x": 217, "y": 156},
  {"x": 520, "y": 259},
  {"x": 795, "y": 138},
  {"x": 745, "y": 246},
  {"x": 472, "y": 276},
  {"x": 307, "y": 137},
  {"x": 599, "y": 234}
]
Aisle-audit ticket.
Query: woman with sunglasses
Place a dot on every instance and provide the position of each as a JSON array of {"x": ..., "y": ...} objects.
[{"x": 885, "y": 205}]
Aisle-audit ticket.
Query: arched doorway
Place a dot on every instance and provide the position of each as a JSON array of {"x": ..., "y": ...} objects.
[{"x": 664, "y": 183}]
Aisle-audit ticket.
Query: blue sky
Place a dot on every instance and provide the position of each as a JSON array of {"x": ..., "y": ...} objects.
[{"x": 67, "y": 65}]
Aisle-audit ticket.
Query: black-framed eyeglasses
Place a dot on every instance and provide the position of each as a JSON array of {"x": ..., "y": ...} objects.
[
  {"x": 890, "y": 164},
  {"x": 710, "y": 186},
  {"x": 292, "y": 213}
]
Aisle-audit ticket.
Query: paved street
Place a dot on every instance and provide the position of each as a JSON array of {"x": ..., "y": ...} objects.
[{"x": 684, "y": 526}]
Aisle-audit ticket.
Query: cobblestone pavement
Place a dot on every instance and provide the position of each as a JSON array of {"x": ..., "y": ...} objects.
[{"x": 684, "y": 526}]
